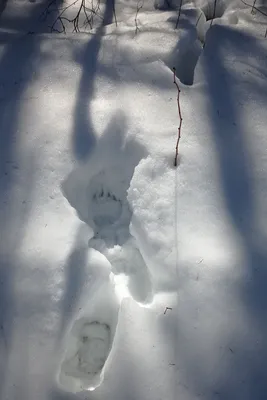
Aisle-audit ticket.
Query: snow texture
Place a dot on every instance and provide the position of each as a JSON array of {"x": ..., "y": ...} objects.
[{"x": 121, "y": 276}]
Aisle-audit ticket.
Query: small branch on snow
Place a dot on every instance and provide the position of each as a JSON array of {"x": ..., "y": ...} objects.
[
  {"x": 61, "y": 19},
  {"x": 47, "y": 10},
  {"x": 252, "y": 10},
  {"x": 179, "y": 14},
  {"x": 198, "y": 19},
  {"x": 139, "y": 5},
  {"x": 214, "y": 13},
  {"x": 167, "y": 308},
  {"x": 232, "y": 351},
  {"x": 114, "y": 12},
  {"x": 180, "y": 117}
]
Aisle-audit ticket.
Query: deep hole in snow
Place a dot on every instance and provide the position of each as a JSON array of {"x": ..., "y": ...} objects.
[
  {"x": 210, "y": 13},
  {"x": 185, "y": 65}
]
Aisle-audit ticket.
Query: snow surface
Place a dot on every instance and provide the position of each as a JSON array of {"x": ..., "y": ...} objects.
[{"x": 123, "y": 277}]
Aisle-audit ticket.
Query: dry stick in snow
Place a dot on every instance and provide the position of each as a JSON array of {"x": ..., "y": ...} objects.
[
  {"x": 166, "y": 309},
  {"x": 114, "y": 12},
  {"x": 213, "y": 16},
  {"x": 198, "y": 19},
  {"x": 179, "y": 14},
  {"x": 214, "y": 13},
  {"x": 180, "y": 117},
  {"x": 257, "y": 9},
  {"x": 89, "y": 14},
  {"x": 49, "y": 10},
  {"x": 252, "y": 10},
  {"x": 138, "y": 8}
]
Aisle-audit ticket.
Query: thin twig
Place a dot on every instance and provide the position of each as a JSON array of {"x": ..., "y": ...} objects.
[
  {"x": 77, "y": 17},
  {"x": 255, "y": 8},
  {"x": 47, "y": 10},
  {"x": 214, "y": 13},
  {"x": 114, "y": 12},
  {"x": 179, "y": 14},
  {"x": 167, "y": 308},
  {"x": 180, "y": 117},
  {"x": 139, "y": 5},
  {"x": 200, "y": 15},
  {"x": 61, "y": 18}
]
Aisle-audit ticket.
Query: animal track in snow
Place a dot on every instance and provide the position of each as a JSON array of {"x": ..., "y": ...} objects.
[
  {"x": 106, "y": 207},
  {"x": 98, "y": 192},
  {"x": 126, "y": 260},
  {"x": 111, "y": 215},
  {"x": 89, "y": 341},
  {"x": 93, "y": 342}
]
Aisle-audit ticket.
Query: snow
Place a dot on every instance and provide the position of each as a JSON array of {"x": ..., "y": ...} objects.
[
  {"x": 123, "y": 277},
  {"x": 90, "y": 339}
]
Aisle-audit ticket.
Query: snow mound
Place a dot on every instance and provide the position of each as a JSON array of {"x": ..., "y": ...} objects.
[
  {"x": 129, "y": 268},
  {"x": 152, "y": 199}
]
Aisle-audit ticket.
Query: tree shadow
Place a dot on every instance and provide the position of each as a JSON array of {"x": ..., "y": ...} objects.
[
  {"x": 14, "y": 210},
  {"x": 75, "y": 277},
  {"x": 2, "y": 6},
  {"x": 245, "y": 375},
  {"x": 18, "y": 66},
  {"x": 29, "y": 20},
  {"x": 84, "y": 138}
]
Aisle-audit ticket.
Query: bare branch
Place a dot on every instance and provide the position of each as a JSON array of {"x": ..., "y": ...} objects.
[
  {"x": 60, "y": 18},
  {"x": 114, "y": 12},
  {"x": 214, "y": 13},
  {"x": 139, "y": 6},
  {"x": 254, "y": 8},
  {"x": 180, "y": 117},
  {"x": 179, "y": 14},
  {"x": 48, "y": 10},
  {"x": 200, "y": 15},
  {"x": 84, "y": 13},
  {"x": 257, "y": 9},
  {"x": 166, "y": 309}
]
